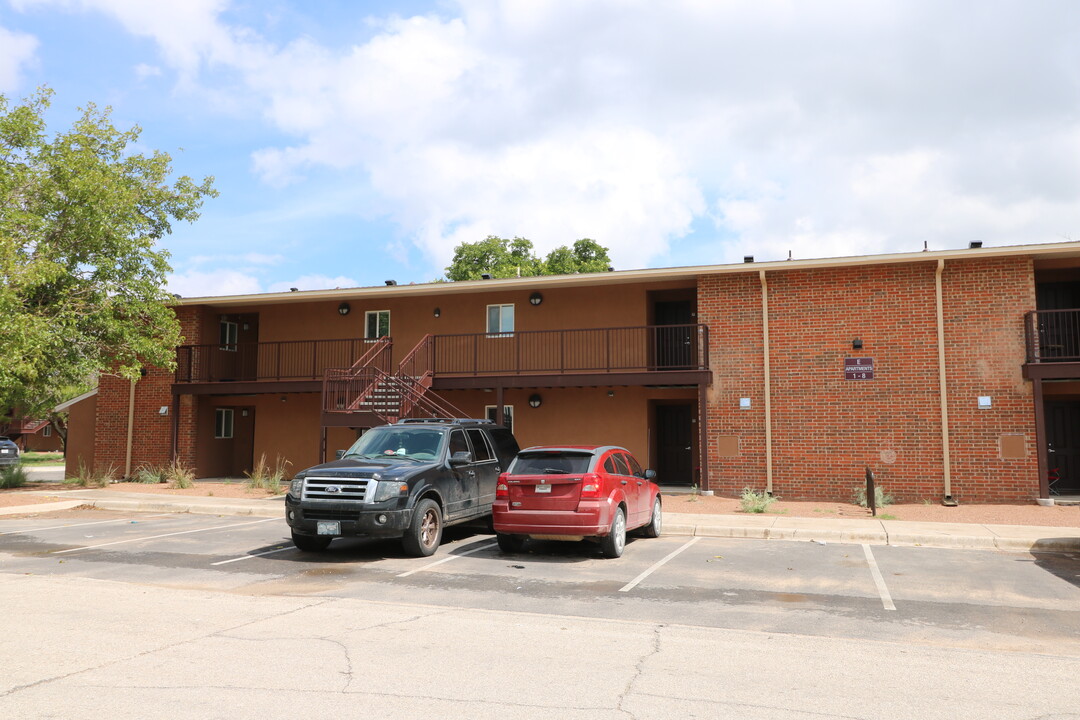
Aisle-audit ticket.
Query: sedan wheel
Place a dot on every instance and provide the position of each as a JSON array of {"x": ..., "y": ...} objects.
[
  {"x": 652, "y": 530},
  {"x": 613, "y": 543}
]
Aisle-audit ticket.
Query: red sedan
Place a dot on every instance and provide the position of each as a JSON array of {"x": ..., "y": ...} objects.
[{"x": 573, "y": 492}]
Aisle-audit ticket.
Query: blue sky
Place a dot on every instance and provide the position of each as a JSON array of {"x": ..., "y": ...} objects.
[{"x": 354, "y": 142}]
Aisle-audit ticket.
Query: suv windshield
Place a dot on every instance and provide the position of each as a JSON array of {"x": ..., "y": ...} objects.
[
  {"x": 399, "y": 442},
  {"x": 551, "y": 463}
]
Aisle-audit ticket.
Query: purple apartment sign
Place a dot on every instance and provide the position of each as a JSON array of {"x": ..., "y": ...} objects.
[{"x": 858, "y": 368}]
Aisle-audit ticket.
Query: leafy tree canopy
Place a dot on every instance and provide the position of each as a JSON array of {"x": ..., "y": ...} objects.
[
  {"x": 502, "y": 258},
  {"x": 82, "y": 281}
]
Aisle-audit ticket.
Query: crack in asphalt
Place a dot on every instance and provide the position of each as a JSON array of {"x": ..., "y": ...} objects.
[{"x": 639, "y": 670}]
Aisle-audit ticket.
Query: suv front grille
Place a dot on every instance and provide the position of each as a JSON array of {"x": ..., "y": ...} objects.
[
  {"x": 317, "y": 514},
  {"x": 337, "y": 488}
]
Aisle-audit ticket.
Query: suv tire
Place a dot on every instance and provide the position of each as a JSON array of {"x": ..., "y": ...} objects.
[
  {"x": 425, "y": 531},
  {"x": 310, "y": 543}
]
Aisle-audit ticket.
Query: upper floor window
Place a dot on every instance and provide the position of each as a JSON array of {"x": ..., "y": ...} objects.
[
  {"x": 228, "y": 335},
  {"x": 500, "y": 320},
  {"x": 376, "y": 324}
]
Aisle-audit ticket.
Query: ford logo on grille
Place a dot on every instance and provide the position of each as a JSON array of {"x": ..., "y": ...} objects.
[{"x": 333, "y": 489}]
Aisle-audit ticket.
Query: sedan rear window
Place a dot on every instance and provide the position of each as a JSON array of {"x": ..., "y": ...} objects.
[{"x": 551, "y": 463}]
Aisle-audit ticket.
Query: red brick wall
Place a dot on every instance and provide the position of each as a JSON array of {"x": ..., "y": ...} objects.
[{"x": 827, "y": 430}]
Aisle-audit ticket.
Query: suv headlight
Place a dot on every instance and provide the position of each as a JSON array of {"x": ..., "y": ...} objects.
[
  {"x": 296, "y": 487},
  {"x": 389, "y": 489}
]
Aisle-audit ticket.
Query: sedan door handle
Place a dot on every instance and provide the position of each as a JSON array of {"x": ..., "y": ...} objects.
[
  {"x": 623, "y": 482},
  {"x": 639, "y": 482}
]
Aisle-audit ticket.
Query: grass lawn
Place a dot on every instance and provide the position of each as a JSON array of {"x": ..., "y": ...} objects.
[{"x": 42, "y": 458}]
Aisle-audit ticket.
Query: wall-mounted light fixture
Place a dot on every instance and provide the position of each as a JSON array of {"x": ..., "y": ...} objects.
[
  {"x": 856, "y": 344},
  {"x": 343, "y": 308},
  {"x": 163, "y": 410},
  {"x": 282, "y": 398},
  {"x": 535, "y": 400},
  {"x": 611, "y": 393},
  {"x": 536, "y": 298},
  {"x": 438, "y": 312}
]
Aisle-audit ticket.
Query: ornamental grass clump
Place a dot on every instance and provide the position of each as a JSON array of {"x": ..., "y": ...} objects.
[
  {"x": 88, "y": 478},
  {"x": 881, "y": 498},
  {"x": 178, "y": 476},
  {"x": 13, "y": 476},
  {"x": 264, "y": 477},
  {"x": 149, "y": 474},
  {"x": 755, "y": 502}
]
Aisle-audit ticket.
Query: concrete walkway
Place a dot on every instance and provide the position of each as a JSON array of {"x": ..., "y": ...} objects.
[{"x": 772, "y": 527}]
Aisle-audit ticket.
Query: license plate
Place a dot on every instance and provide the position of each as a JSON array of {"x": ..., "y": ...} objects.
[
  {"x": 329, "y": 528},
  {"x": 543, "y": 488},
  {"x": 4, "y": 451}
]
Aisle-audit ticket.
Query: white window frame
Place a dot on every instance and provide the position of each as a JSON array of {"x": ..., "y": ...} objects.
[
  {"x": 502, "y": 331},
  {"x": 508, "y": 415},
  {"x": 367, "y": 323},
  {"x": 228, "y": 335},
  {"x": 46, "y": 431},
  {"x": 224, "y": 419}
]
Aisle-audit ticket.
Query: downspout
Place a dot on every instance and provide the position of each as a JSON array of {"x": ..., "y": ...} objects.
[
  {"x": 768, "y": 382},
  {"x": 943, "y": 387},
  {"x": 130, "y": 429}
]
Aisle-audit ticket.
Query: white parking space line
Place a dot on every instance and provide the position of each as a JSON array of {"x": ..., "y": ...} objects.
[
  {"x": 75, "y": 525},
  {"x": 155, "y": 537},
  {"x": 886, "y": 599},
  {"x": 447, "y": 559},
  {"x": 252, "y": 555},
  {"x": 656, "y": 566}
]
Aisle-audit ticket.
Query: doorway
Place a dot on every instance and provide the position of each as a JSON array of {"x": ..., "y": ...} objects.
[
  {"x": 674, "y": 425},
  {"x": 674, "y": 345},
  {"x": 1063, "y": 446}
]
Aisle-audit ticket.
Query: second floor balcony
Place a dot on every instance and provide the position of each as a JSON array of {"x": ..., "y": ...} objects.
[{"x": 663, "y": 354}]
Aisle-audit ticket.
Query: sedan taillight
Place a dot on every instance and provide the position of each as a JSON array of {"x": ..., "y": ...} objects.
[
  {"x": 591, "y": 485},
  {"x": 502, "y": 489}
]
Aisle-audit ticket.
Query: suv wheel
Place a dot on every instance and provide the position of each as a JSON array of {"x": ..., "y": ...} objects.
[
  {"x": 425, "y": 531},
  {"x": 311, "y": 543},
  {"x": 613, "y": 543}
]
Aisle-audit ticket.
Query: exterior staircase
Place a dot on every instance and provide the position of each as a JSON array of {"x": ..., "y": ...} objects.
[{"x": 369, "y": 394}]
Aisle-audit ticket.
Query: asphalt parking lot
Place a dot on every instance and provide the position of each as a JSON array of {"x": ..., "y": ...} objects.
[{"x": 960, "y": 597}]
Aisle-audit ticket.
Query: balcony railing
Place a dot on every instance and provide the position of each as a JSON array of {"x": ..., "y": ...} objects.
[
  {"x": 263, "y": 361},
  {"x": 1052, "y": 336},
  {"x": 654, "y": 348}
]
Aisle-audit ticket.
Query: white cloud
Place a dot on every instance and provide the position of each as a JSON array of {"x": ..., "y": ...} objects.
[
  {"x": 16, "y": 51},
  {"x": 143, "y": 71},
  {"x": 838, "y": 127},
  {"x": 195, "y": 283}
]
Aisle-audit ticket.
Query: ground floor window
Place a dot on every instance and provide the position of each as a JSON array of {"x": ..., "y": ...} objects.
[
  {"x": 46, "y": 431},
  {"x": 223, "y": 423},
  {"x": 508, "y": 415}
]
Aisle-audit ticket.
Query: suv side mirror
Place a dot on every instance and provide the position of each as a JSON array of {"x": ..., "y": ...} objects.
[
  {"x": 650, "y": 474},
  {"x": 461, "y": 458},
  {"x": 338, "y": 454}
]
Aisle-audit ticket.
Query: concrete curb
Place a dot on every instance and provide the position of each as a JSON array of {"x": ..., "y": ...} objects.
[{"x": 949, "y": 536}]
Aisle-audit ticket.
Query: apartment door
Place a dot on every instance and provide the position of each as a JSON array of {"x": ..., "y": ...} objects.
[
  {"x": 675, "y": 444},
  {"x": 1063, "y": 445},
  {"x": 674, "y": 337}
]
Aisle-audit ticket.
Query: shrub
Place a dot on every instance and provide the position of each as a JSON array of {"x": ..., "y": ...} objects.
[
  {"x": 178, "y": 476},
  {"x": 150, "y": 474},
  {"x": 755, "y": 502},
  {"x": 263, "y": 477},
  {"x": 881, "y": 498},
  {"x": 85, "y": 477},
  {"x": 13, "y": 476}
]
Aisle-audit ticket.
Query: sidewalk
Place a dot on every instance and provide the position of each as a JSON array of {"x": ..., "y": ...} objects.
[{"x": 771, "y": 527}]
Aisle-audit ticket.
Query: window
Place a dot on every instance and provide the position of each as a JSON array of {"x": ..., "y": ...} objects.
[
  {"x": 376, "y": 324},
  {"x": 223, "y": 423},
  {"x": 500, "y": 320},
  {"x": 228, "y": 335},
  {"x": 508, "y": 415},
  {"x": 458, "y": 443},
  {"x": 46, "y": 431},
  {"x": 481, "y": 451},
  {"x": 620, "y": 464},
  {"x": 635, "y": 467}
]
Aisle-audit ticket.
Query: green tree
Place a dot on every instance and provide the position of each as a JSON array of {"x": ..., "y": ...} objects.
[
  {"x": 502, "y": 258},
  {"x": 82, "y": 281}
]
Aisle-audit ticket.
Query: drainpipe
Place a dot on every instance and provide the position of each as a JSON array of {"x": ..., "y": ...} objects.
[
  {"x": 943, "y": 387},
  {"x": 130, "y": 429},
  {"x": 768, "y": 382}
]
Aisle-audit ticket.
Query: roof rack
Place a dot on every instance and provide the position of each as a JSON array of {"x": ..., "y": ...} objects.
[{"x": 459, "y": 421}]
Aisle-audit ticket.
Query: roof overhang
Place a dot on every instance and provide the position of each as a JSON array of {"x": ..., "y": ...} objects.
[{"x": 1047, "y": 251}]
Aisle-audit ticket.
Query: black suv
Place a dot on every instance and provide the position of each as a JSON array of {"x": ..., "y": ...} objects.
[
  {"x": 9, "y": 451},
  {"x": 405, "y": 480}
]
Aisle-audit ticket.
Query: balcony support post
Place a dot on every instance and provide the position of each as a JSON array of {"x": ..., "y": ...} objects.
[{"x": 1040, "y": 439}]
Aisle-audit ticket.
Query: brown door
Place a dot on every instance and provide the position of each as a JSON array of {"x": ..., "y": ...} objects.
[
  {"x": 675, "y": 347},
  {"x": 674, "y": 444},
  {"x": 1063, "y": 446},
  {"x": 244, "y": 442}
]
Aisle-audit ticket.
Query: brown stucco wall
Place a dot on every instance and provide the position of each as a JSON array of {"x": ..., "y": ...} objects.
[{"x": 82, "y": 436}]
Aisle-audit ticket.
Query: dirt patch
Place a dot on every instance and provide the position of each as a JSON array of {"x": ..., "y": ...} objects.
[{"x": 1058, "y": 515}]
